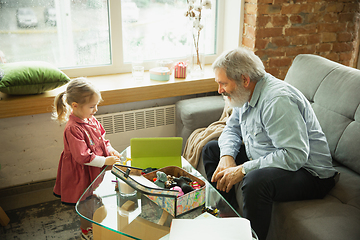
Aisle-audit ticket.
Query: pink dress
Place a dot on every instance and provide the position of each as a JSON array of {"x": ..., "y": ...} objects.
[{"x": 82, "y": 142}]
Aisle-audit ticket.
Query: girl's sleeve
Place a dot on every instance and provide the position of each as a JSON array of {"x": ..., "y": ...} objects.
[
  {"x": 98, "y": 161},
  {"x": 80, "y": 151}
]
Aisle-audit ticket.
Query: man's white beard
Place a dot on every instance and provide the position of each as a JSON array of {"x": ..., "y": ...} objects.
[{"x": 238, "y": 97}]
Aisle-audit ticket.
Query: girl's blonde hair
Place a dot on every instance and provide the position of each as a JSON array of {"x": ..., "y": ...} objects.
[{"x": 79, "y": 90}]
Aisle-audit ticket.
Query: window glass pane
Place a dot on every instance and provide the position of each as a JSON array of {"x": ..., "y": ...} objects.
[
  {"x": 159, "y": 29},
  {"x": 75, "y": 33},
  {"x": 63, "y": 32}
]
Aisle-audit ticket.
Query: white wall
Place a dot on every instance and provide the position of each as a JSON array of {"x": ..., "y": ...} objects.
[
  {"x": 30, "y": 149},
  {"x": 30, "y": 146}
]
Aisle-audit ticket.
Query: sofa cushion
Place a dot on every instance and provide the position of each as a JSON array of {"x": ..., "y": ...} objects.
[
  {"x": 347, "y": 190},
  {"x": 334, "y": 91},
  {"x": 197, "y": 113},
  {"x": 337, "y": 216},
  {"x": 324, "y": 218},
  {"x": 333, "y": 217},
  {"x": 306, "y": 75},
  {"x": 30, "y": 77}
]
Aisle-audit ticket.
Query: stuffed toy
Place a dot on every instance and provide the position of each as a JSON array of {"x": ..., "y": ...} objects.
[
  {"x": 161, "y": 179},
  {"x": 177, "y": 188},
  {"x": 184, "y": 183}
]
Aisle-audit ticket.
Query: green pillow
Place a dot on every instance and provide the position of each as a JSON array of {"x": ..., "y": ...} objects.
[{"x": 21, "y": 78}]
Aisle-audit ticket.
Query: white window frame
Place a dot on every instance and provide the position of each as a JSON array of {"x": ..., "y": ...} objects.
[{"x": 229, "y": 35}]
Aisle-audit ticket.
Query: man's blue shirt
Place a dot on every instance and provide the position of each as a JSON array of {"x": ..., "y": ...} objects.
[{"x": 279, "y": 129}]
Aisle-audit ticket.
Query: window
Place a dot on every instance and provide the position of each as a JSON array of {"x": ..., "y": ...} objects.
[
  {"x": 161, "y": 30},
  {"x": 93, "y": 37}
]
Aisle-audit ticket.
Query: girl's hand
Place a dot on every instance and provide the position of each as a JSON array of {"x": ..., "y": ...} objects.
[
  {"x": 111, "y": 160},
  {"x": 115, "y": 153}
]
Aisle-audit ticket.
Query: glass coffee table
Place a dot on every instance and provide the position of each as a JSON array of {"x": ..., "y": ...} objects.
[{"x": 105, "y": 203}]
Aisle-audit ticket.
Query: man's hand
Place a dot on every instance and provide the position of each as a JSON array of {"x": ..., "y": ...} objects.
[
  {"x": 227, "y": 178},
  {"x": 224, "y": 163}
]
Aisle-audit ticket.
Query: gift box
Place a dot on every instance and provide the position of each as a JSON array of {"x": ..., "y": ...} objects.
[
  {"x": 180, "y": 70},
  {"x": 165, "y": 198},
  {"x": 160, "y": 73}
]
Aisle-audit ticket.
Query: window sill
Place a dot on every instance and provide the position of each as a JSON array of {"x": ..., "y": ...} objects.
[{"x": 115, "y": 89}]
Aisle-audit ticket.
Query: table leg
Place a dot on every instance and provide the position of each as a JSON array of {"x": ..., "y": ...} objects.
[{"x": 163, "y": 217}]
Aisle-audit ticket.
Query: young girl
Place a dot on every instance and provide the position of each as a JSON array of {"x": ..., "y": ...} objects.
[{"x": 86, "y": 152}]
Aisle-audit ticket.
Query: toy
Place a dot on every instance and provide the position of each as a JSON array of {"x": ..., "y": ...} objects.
[
  {"x": 161, "y": 179},
  {"x": 183, "y": 182},
  {"x": 213, "y": 211},
  {"x": 177, "y": 188},
  {"x": 195, "y": 185},
  {"x": 169, "y": 182}
]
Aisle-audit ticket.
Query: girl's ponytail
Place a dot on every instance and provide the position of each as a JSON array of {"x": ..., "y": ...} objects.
[
  {"x": 60, "y": 112},
  {"x": 79, "y": 90}
]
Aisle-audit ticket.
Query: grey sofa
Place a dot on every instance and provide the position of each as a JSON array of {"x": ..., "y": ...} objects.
[{"x": 334, "y": 92}]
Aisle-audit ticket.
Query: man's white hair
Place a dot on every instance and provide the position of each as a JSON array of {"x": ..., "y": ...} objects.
[{"x": 240, "y": 61}]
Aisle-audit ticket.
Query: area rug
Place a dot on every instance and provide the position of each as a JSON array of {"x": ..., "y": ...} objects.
[{"x": 50, "y": 220}]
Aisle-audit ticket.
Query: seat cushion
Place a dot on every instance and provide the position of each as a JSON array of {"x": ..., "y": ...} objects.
[
  {"x": 327, "y": 219},
  {"x": 347, "y": 190}
]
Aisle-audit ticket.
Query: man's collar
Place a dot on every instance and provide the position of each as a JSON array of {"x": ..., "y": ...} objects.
[{"x": 257, "y": 91}]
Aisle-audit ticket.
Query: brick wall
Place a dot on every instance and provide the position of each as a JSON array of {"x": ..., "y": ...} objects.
[{"x": 279, "y": 30}]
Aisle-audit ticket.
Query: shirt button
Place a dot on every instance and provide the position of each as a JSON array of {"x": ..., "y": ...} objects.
[{"x": 99, "y": 138}]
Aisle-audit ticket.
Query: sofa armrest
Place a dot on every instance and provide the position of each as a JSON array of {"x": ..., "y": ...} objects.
[{"x": 195, "y": 113}]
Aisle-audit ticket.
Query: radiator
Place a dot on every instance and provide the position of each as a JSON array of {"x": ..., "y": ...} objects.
[{"x": 120, "y": 127}]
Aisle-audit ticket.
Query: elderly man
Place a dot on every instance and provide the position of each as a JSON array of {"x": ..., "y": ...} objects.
[{"x": 272, "y": 142}]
